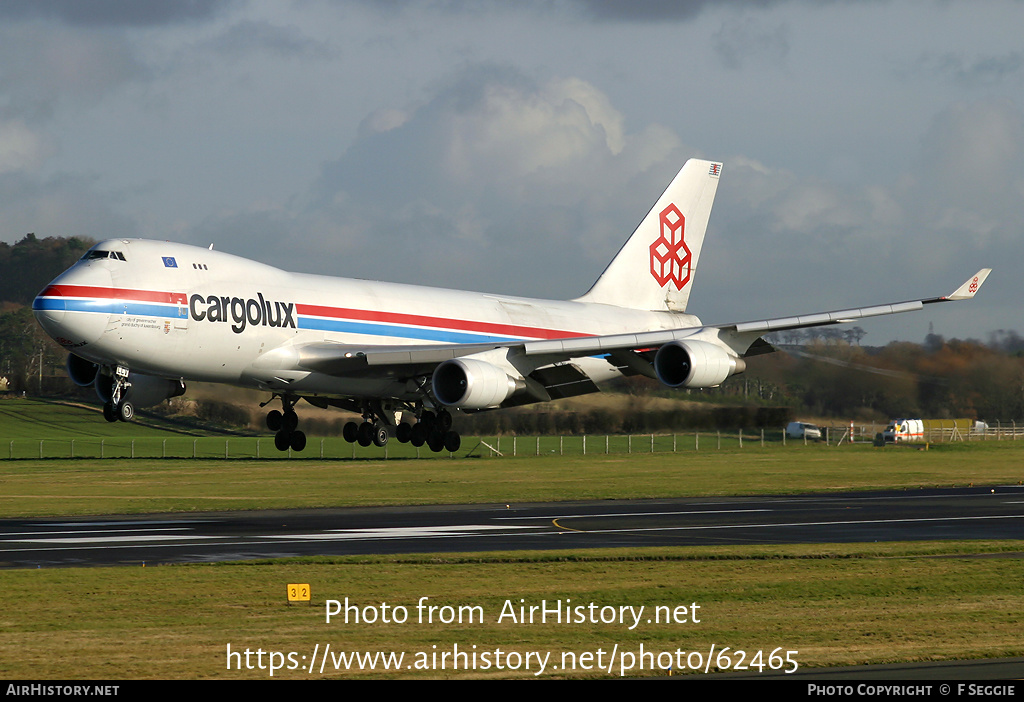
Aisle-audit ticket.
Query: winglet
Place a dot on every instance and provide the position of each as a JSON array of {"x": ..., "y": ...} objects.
[{"x": 971, "y": 287}]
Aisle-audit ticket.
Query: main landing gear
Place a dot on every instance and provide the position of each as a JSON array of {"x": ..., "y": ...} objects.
[
  {"x": 284, "y": 423},
  {"x": 431, "y": 428},
  {"x": 434, "y": 430}
]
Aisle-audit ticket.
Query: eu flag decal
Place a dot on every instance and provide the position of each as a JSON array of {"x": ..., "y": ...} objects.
[{"x": 169, "y": 262}]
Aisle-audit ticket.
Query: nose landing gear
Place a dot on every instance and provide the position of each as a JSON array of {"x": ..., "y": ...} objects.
[{"x": 118, "y": 407}]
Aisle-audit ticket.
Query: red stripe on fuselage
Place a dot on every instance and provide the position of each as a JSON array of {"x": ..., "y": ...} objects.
[
  {"x": 114, "y": 294},
  {"x": 513, "y": 330},
  {"x": 436, "y": 322}
]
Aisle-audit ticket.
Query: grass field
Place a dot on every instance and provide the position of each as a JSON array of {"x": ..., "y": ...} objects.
[
  {"x": 833, "y": 604},
  {"x": 32, "y": 420},
  {"x": 86, "y": 486}
]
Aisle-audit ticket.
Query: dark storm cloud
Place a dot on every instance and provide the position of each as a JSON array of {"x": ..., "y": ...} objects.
[
  {"x": 99, "y": 13},
  {"x": 255, "y": 37},
  {"x": 743, "y": 40},
  {"x": 658, "y": 10},
  {"x": 595, "y": 10},
  {"x": 42, "y": 66}
]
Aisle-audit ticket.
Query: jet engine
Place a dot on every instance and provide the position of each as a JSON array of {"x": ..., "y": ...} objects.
[
  {"x": 145, "y": 390},
  {"x": 472, "y": 384},
  {"x": 695, "y": 364},
  {"x": 82, "y": 372}
]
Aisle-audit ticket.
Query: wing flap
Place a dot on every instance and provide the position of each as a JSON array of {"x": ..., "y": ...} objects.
[{"x": 335, "y": 358}]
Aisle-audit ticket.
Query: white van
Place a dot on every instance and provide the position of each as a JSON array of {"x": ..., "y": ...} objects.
[
  {"x": 801, "y": 430},
  {"x": 904, "y": 430}
]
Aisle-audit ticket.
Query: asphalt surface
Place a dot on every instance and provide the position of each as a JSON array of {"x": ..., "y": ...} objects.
[{"x": 939, "y": 514}]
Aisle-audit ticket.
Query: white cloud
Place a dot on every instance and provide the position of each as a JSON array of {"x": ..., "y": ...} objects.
[
  {"x": 496, "y": 182},
  {"x": 512, "y": 131}
]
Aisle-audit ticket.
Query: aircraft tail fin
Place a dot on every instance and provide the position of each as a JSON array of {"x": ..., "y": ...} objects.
[{"x": 655, "y": 267}]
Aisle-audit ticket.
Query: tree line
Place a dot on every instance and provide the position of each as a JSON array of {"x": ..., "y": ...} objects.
[
  {"x": 28, "y": 357},
  {"x": 937, "y": 379}
]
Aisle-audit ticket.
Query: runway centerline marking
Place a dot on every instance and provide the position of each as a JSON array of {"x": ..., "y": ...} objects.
[
  {"x": 399, "y": 532},
  {"x": 639, "y": 514},
  {"x": 113, "y": 539},
  {"x": 10, "y": 535}
]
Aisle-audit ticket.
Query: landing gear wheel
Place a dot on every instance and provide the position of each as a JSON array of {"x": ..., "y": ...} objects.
[
  {"x": 365, "y": 434},
  {"x": 289, "y": 420},
  {"x": 418, "y": 435},
  {"x": 444, "y": 420},
  {"x": 298, "y": 441},
  {"x": 452, "y": 441},
  {"x": 109, "y": 413},
  {"x": 125, "y": 411},
  {"x": 403, "y": 432},
  {"x": 274, "y": 420},
  {"x": 435, "y": 441},
  {"x": 350, "y": 432},
  {"x": 282, "y": 440},
  {"x": 380, "y": 435}
]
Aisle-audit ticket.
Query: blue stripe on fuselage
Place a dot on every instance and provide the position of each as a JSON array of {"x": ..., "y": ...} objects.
[
  {"x": 445, "y": 335},
  {"x": 137, "y": 309}
]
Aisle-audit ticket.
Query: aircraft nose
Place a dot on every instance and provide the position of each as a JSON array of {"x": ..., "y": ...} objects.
[{"x": 71, "y": 309}]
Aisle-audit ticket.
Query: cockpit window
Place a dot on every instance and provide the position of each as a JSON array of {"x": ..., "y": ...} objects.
[{"x": 94, "y": 254}]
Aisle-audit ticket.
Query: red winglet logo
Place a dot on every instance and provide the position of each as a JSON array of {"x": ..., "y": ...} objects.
[{"x": 670, "y": 257}]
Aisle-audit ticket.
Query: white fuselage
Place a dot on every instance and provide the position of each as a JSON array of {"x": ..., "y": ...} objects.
[{"x": 178, "y": 311}]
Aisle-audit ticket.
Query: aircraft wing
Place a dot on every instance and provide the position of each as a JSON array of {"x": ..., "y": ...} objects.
[
  {"x": 343, "y": 359},
  {"x": 581, "y": 346},
  {"x": 964, "y": 292}
]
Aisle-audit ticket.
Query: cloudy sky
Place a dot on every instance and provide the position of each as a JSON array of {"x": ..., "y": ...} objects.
[{"x": 872, "y": 150}]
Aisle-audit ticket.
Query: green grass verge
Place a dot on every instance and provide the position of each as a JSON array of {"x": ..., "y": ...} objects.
[
  {"x": 86, "y": 486},
  {"x": 834, "y": 605}
]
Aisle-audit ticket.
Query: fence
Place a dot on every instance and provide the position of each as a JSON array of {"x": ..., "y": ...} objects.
[
  {"x": 937, "y": 431},
  {"x": 337, "y": 448},
  {"x": 332, "y": 448}
]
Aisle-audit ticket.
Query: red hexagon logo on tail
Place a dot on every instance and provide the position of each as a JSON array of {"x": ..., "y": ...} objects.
[{"x": 670, "y": 257}]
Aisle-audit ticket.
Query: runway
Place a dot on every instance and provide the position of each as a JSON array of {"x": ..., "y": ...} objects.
[{"x": 936, "y": 514}]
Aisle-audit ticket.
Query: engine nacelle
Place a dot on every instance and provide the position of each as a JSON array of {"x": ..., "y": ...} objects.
[
  {"x": 472, "y": 383},
  {"x": 145, "y": 390},
  {"x": 82, "y": 372},
  {"x": 695, "y": 364}
]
